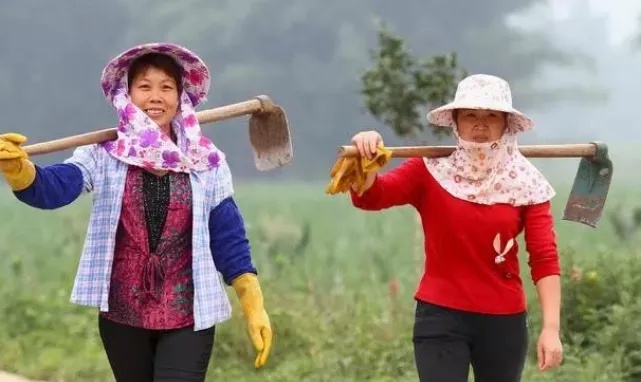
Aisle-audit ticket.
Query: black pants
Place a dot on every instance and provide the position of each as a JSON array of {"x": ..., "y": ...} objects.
[
  {"x": 447, "y": 342},
  {"x": 140, "y": 355}
]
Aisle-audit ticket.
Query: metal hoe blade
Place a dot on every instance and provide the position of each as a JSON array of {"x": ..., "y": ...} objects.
[
  {"x": 590, "y": 188},
  {"x": 270, "y": 139}
]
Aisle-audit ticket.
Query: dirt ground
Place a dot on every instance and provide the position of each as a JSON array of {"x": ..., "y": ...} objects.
[{"x": 6, "y": 377}]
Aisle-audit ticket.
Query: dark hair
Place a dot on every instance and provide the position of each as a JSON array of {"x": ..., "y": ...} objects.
[{"x": 159, "y": 61}]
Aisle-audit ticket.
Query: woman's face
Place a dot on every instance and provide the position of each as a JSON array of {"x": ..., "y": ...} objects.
[
  {"x": 156, "y": 93},
  {"x": 480, "y": 126}
]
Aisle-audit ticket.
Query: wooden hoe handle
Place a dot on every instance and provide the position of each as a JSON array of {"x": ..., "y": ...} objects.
[
  {"x": 259, "y": 104},
  {"x": 532, "y": 151}
]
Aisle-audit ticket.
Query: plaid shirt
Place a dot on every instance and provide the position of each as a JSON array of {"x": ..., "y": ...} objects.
[{"x": 105, "y": 176}]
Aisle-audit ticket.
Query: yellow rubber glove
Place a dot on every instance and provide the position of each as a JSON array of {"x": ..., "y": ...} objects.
[
  {"x": 251, "y": 298},
  {"x": 344, "y": 173},
  {"x": 14, "y": 162},
  {"x": 348, "y": 172}
]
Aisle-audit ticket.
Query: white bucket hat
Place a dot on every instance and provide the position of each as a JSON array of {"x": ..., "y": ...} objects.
[{"x": 482, "y": 91}]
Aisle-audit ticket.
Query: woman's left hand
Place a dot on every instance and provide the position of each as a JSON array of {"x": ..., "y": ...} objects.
[
  {"x": 258, "y": 323},
  {"x": 549, "y": 349}
]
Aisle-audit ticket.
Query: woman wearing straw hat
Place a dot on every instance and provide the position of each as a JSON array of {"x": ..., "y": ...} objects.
[
  {"x": 163, "y": 221},
  {"x": 471, "y": 306}
]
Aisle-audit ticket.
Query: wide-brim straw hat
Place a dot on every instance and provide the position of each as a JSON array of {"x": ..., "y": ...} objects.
[
  {"x": 482, "y": 91},
  {"x": 195, "y": 74}
]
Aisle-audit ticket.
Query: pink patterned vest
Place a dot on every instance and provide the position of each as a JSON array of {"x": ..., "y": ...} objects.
[{"x": 151, "y": 280}]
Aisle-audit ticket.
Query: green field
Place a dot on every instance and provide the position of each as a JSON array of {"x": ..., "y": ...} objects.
[{"x": 327, "y": 272}]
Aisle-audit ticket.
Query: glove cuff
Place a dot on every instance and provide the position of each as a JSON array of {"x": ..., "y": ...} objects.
[{"x": 248, "y": 291}]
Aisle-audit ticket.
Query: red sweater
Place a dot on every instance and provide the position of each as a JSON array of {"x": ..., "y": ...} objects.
[{"x": 460, "y": 271}]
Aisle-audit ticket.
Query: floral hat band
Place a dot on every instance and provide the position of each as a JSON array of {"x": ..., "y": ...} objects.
[{"x": 196, "y": 78}]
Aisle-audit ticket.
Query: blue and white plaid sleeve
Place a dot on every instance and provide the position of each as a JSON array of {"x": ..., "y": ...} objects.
[
  {"x": 223, "y": 184},
  {"x": 85, "y": 157}
]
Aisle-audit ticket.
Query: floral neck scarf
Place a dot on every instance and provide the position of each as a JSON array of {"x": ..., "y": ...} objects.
[{"x": 491, "y": 173}]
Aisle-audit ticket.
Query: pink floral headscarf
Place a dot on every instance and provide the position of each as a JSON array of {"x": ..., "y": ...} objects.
[{"x": 140, "y": 141}]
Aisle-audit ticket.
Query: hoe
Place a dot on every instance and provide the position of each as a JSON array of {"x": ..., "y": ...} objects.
[
  {"x": 268, "y": 127},
  {"x": 591, "y": 183}
]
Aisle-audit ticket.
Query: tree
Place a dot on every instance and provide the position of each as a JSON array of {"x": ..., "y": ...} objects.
[
  {"x": 399, "y": 87},
  {"x": 513, "y": 41},
  {"x": 307, "y": 55}
]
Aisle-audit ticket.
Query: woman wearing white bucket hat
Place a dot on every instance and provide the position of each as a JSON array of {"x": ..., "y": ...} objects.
[
  {"x": 471, "y": 306},
  {"x": 163, "y": 223}
]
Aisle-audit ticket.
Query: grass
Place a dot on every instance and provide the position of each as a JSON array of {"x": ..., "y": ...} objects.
[{"x": 338, "y": 285}]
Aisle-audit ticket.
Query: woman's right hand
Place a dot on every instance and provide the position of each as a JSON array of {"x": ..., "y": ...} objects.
[
  {"x": 366, "y": 143},
  {"x": 14, "y": 161},
  {"x": 11, "y": 154}
]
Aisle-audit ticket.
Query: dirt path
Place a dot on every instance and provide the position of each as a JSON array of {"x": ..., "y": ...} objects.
[{"x": 6, "y": 377}]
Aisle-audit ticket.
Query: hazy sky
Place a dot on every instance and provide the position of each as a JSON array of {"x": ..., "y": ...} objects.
[{"x": 623, "y": 15}]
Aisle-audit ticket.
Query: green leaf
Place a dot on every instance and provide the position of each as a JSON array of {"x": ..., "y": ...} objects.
[{"x": 399, "y": 88}]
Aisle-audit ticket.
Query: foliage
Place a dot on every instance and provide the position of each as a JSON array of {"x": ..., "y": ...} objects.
[
  {"x": 308, "y": 56},
  {"x": 600, "y": 312},
  {"x": 626, "y": 223},
  {"x": 339, "y": 295},
  {"x": 399, "y": 87}
]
